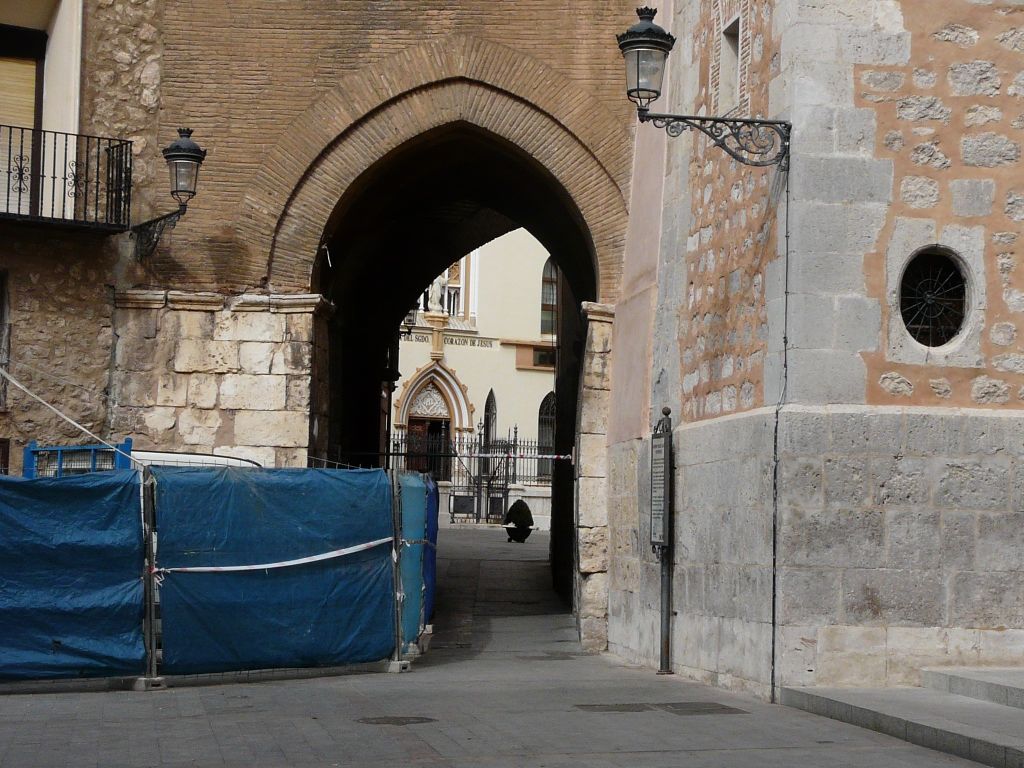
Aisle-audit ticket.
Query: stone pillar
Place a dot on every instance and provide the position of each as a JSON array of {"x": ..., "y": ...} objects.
[
  {"x": 591, "y": 479},
  {"x": 437, "y": 321},
  {"x": 208, "y": 373}
]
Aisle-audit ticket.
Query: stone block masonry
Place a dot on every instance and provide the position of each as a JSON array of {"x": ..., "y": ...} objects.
[
  {"x": 899, "y": 542},
  {"x": 207, "y": 373},
  {"x": 592, "y": 481},
  {"x": 722, "y": 553}
]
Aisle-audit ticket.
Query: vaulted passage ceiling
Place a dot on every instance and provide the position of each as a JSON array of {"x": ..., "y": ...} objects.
[{"x": 431, "y": 202}]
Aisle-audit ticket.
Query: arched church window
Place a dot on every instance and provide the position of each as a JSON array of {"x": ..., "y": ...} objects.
[
  {"x": 549, "y": 298},
  {"x": 545, "y": 435}
]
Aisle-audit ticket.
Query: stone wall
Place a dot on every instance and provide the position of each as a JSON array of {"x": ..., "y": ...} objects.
[
  {"x": 122, "y": 72},
  {"x": 901, "y": 543},
  {"x": 206, "y": 373},
  {"x": 591, "y": 469},
  {"x": 948, "y": 113},
  {"x": 60, "y": 314},
  {"x": 721, "y": 556},
  {"x": 895, "y": 529}
]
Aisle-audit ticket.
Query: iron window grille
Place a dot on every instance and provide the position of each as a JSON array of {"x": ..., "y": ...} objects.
[
  {"x": 933, "y": 298},
  {"x": 549, "y": 298}
]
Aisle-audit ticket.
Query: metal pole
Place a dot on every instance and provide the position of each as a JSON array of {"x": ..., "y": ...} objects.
[
  {"x": 661, "y": 527},
  {"x": 665, "y": 667},
  {"x": 149, "y": 591},
  {"x": 396, "y": 521}
]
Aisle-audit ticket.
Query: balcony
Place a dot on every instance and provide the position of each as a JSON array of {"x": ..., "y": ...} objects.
[{"x": 65, "y": 179}]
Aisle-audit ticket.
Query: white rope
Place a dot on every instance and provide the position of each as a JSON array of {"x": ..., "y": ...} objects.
[
  {"x": 5, "y": 374},
  {"x": 280, "y": 564},
  {"x": 559, "y": 456}
]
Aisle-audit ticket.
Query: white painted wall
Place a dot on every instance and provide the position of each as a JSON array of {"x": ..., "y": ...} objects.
[
  {"x": 62, "y": 73},
  {"x": 507, "y": 273}
]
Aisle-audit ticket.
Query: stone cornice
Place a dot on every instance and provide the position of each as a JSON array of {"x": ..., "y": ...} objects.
[
  {"x": 139, "y": 299},
  {"x": 599, "y": 313},
  {"x": 202, "y": 301},
  {"x": 286, "y": 303}
]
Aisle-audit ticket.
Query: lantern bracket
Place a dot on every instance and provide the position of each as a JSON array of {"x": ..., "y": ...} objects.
[
  {"x": 751, "y": 141},
  {"x": 148, "y": 233}
]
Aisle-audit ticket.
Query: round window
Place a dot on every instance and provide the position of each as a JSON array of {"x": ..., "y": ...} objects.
[{"x": 933, "y": 298}]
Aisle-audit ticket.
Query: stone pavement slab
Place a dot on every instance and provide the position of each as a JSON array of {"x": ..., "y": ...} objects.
[{"x": 510, "y": 688}]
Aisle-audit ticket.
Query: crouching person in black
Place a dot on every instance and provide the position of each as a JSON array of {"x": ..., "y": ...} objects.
[{"x": 518, "y": 521}]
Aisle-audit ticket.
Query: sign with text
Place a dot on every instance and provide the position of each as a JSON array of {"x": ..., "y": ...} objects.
[
  {"x": 661, "y": 487},
  {"x": 455, "y": 340}
]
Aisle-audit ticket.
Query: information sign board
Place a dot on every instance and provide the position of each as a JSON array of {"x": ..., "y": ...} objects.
[{"x": 661, "y": 488}]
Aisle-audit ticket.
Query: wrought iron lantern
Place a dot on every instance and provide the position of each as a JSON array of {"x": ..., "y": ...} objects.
[
  {"x": 184, "y": 157},
  {"x": 645, "y": 48}
]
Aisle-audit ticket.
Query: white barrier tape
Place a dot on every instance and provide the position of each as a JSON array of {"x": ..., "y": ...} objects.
[
  {"x": 425, "y": 542},
  {"x": 159, "y": 572},
  {"x": 558, "y": 456},
  {"x": 4, "y": 374}
]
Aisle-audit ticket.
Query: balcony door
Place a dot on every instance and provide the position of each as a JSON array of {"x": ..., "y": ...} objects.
[{"x": 19, "y": 115}]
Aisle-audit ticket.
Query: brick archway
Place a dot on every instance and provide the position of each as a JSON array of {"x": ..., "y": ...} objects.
[{"x": 461, "y": 79}]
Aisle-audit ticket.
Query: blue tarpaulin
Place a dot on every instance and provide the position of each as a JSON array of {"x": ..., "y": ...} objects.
[
  {"x": 414, "y": 528},
  {"x": 71, "y": 566},
  {"x": 430, "y": 554},
  {"x": 332, "y": 611}
]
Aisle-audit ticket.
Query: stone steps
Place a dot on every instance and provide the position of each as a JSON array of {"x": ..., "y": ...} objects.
[
  {"x": 976, "y": 729},
  {"x": 1000, "y": 685}
]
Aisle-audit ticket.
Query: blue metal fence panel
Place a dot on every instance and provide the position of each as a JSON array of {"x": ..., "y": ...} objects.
[
  {"x": 66, "y": 460},
  {"x": 414, "y": 528},
  {"x": 71, "y": 567},
  {"x": 332, "y": 611},
  {"x": 430, "y": 553}
]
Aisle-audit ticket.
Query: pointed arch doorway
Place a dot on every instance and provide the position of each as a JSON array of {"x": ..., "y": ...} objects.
[
  {"x": 432, "y": 409},
  {"x": 459, "y": 142},
  {"x": 428, "y": 434}
]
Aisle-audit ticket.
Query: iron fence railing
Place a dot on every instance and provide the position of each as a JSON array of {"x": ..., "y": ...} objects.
[
  {"x": 463, "y": 458},
  {"x": 480, "y": 471},
  {"x": 65, "y": 177}
]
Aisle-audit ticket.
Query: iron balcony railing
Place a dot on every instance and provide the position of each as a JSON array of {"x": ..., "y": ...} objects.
[{"x": 65, "y": 178}]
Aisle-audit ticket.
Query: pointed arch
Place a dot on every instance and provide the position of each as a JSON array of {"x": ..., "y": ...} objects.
[
  {"x": 287, "y": 209},
  {"x": 439, "y": 377}
]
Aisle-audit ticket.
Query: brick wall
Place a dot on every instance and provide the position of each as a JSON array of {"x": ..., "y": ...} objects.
[
  {"x": 243, "y": 75},
  {"x": 732, "y": 226}
]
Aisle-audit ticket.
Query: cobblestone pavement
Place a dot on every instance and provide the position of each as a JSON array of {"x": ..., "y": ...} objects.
[{"x": 504, "y": 685}]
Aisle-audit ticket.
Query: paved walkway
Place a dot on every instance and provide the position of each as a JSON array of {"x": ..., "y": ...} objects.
[{"x": 504, "y": 686}]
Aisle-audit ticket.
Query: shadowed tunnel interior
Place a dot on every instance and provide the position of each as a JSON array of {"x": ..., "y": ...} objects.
[{"x": 407, "y": 218}]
